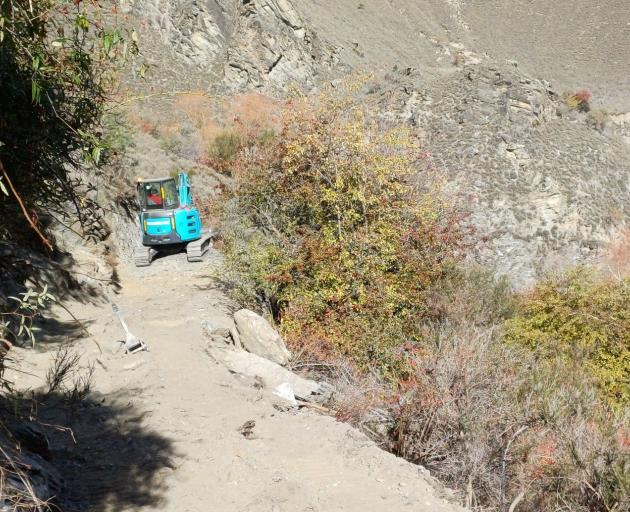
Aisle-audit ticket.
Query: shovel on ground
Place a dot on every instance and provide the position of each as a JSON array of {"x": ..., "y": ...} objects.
[{"x": 132, "y": 343}]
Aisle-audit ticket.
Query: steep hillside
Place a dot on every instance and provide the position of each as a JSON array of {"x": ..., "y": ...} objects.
[
  {"x": 522, "y": 108},
  {"x": 162, "y": 430},
  {"x": 574, "y": 44},
  {"x": 483, "y": 83},
  {"x": 544, "y": 186}
]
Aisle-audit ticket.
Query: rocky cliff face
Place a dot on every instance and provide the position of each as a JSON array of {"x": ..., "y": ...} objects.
[
  {"x": 544, "y": 187},
  {"x": 229, "y": 45},
  {"x": 273, "y": 47},
  {"x": 547, "y": 185}
]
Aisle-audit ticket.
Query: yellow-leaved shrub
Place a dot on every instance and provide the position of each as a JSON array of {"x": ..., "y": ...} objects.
[
  {"x": 339, "y": 228},
  {"x": 583, "y": 321}
]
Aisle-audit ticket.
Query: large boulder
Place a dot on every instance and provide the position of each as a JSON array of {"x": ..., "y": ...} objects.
[{"x": 258, "y": 337}]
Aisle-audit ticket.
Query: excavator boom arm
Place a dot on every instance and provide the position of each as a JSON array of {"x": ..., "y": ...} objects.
[{"x": 185, "y": 199}]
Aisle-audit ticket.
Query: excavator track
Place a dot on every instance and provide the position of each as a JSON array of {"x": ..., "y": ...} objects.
[
  {"x": 143, "y": 256},
  {"x": 196, "y": 250}
]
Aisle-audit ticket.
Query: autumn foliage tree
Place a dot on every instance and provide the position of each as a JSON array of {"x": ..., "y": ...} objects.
[{"x": 339, "y": 229}]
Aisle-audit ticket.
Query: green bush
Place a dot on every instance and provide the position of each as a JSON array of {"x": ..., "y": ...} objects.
[
  {"x": 117, "y": 137},
  {"x": 56, "y": 68},
  {"x": 340, "y": 233},
  {"x": 224, "y": 148},
  {"x": 583, "y": 321}
]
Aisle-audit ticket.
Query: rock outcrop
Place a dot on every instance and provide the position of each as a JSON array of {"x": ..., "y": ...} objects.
[
  {"x": 27, "y": 476},
  {"x": 543, "y": 187},
  {"x": 273, "y": 47},
  {"x": 231, "y": 45}
]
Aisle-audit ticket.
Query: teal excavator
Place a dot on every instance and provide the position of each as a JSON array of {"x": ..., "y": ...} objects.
[{"x": 169, "y": 221}]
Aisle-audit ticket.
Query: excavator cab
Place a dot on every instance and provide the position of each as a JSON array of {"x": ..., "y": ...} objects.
[
  {"x": 160, "y": 194},
  {"x": 169, "y": 220}
]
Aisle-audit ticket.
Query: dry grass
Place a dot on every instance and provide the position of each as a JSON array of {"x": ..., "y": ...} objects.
[
  {"x": 245, "y": 116},
  {"x": 598, "y": 118},
  {"x": 251, "y": 114},
  {"x": 16, "y": 491},
  {"x": 198, "y": 107},
  {"x": 19, "y": 475},
  {"x": 67, "y": 377},
  {"x": 200, "y": 111},
  {"x": 196, "y": 123},
  {"x": 494, "y": 423},
  {"x": 143, "y": 124}
]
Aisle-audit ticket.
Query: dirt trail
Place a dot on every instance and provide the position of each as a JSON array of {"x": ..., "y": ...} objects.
[{"x": 173, "y": 443}]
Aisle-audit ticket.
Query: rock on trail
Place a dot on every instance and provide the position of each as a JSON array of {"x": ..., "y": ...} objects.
[{"x": 258, "y": 337}]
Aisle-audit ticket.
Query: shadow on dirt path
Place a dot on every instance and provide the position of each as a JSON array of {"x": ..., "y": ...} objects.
[{"x": 105, "y": 458}]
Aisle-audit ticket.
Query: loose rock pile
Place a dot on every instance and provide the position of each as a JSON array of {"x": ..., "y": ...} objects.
[{"x": 253, "y": 349}]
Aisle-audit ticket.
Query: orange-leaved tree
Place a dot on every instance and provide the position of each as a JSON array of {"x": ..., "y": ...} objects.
[{"x": 338, "y": 227}]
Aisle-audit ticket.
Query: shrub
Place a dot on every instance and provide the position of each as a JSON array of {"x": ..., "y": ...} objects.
[
  {"x": 484, "y": 418},
  {"x": 224, "y": 148},
  {"x": 598, "y": 119},
  {"x": 200, "y": 112},
  {"x": 170, "y": 143},
  {"x": 148, "y": 126},
  {"x": 338, "y": 231},
  {"x": 56, "y": 69},
  {"x": 251, "y": 114},
  {"x": 472, "y": 295},
  {"x": 117, "y": 137},
  {"x": 584, "y": 322},
  {"x": 198, "y": 107},
  {"x": 16, "y": 323},
  {"x": 616, "y": 257},
  {"x": 249, "y": 121},
  {"x": 68, "y": 377},
  {"x": 579, "y": 100}
]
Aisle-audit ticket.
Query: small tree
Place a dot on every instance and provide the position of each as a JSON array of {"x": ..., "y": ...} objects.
[
  {"x": 341, "y": 230},
  {"x": 56, "y": 64}
]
